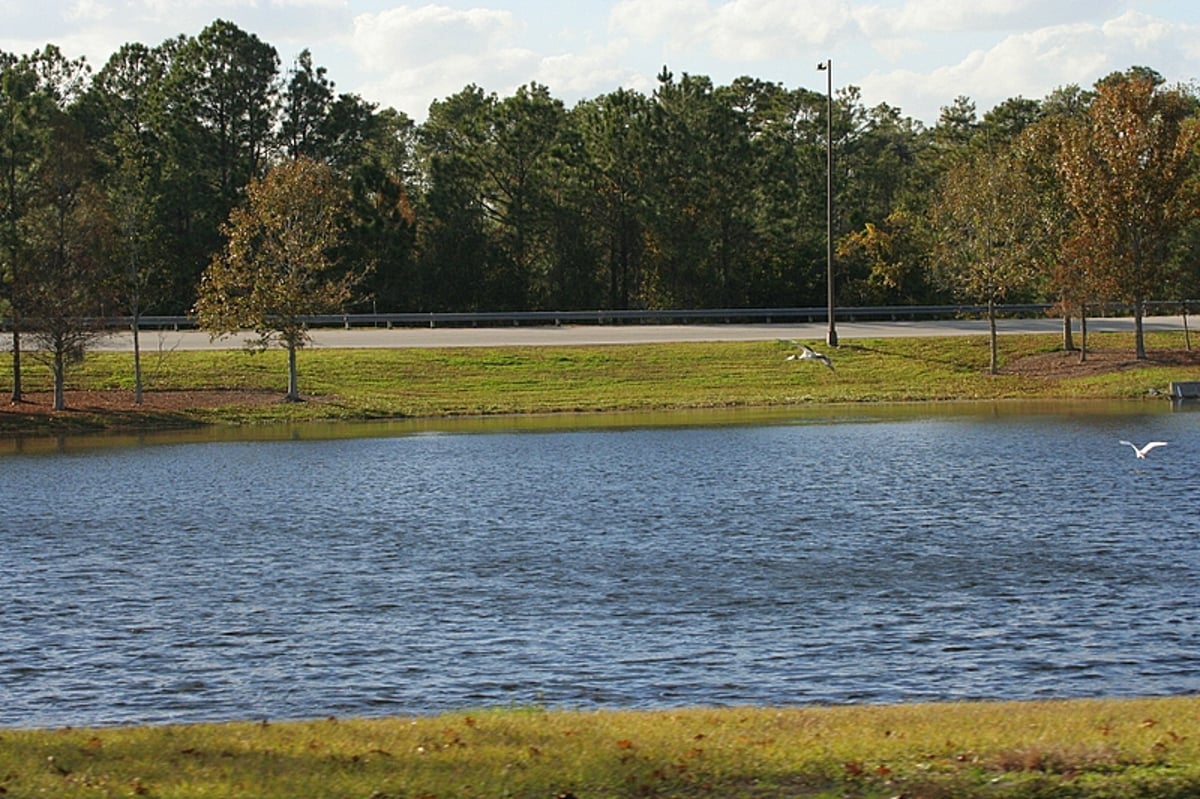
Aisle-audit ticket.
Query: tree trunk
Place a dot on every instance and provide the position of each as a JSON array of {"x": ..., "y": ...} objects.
[
  {"x": 137, "y": 363},
  {"x": 17, "y": 394},
  {"x": 1068, "y": 341},
  {"x": 1083, "y": 335},
  {"x": 60, "y": 373},
  {"x": 293, "y": 392},
  {"x": 994, "y": 367},
  {"x": 1139, "y": 334},
  {"x": 1187, "y": 336}
]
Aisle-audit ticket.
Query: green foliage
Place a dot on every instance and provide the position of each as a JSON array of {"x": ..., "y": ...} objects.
[{"x": 894, "y": 259}]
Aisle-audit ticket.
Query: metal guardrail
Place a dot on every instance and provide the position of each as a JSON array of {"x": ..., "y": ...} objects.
[
  {"x": 680, "y": 316},
  {"x": 597, "y": 317}
]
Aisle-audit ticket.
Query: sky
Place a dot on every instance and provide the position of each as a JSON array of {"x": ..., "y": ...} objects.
[{"x": 915, "y": 55}]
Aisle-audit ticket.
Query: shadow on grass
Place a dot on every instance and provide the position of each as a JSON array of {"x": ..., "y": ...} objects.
[{"x": 883, "y": 350}]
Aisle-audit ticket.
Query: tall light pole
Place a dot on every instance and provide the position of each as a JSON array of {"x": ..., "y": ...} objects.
[{"x": 826, "y": 66}]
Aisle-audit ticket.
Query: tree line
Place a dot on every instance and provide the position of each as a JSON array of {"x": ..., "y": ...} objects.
[{"x": 121, "y": 189}]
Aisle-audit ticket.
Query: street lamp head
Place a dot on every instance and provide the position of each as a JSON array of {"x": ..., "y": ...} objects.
[{"x": 824, "y": 65}]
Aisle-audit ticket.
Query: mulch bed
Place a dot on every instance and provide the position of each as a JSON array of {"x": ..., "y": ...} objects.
[{"x": 1063, "y": 364}]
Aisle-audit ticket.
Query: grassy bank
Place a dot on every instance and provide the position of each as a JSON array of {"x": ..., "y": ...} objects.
[
  {"x": 373, "y": 384},
  {"x": 1114, "y": 749}
]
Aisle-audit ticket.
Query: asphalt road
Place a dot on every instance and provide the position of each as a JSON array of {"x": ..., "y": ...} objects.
[{"x": 549, "y": 335}]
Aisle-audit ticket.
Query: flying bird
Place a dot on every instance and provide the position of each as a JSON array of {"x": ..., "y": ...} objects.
[
  {"x": 807, "y": 353},
  {"x": 1141, "y": 451}
]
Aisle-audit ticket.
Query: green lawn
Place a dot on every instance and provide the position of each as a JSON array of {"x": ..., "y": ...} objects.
[{"x": 405, "y": 383}]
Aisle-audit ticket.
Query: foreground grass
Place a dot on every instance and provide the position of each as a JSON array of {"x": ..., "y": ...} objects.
[
  {"x": 399, "y": 383},
  {"x": 1087, "y": 748}
]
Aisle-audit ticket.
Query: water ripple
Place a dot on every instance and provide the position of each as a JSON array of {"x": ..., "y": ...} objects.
[{"x": 963, "y": 557}]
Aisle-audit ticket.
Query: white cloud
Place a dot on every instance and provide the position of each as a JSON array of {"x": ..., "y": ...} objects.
[
  {"x": 408, "y": 35},
  {"x": 410, "y": 56},
  {"x": 1140, "y": 31},
  {"x": 592, "y": 72},
  {"x": 1034, "y": 63},
  {"x": 756, "y": 30},
  {"x": 896, "y": 48},
  {"x": 87, "y": 11},
  {"x": 306, "y": 4},
  {"x": 946, "y": 16},
  {"x": 184, "y": 13},
  {"x": 674, "y": 21},
  {"x": 734, "y": 31}
]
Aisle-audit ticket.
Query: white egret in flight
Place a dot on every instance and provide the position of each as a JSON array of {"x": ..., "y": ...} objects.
[
  {"x": 1141, "y": 451},
  {"x": 807, "y": 353}
]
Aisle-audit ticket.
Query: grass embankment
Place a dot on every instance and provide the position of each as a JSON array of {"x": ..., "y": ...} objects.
[
  {"x": 399, "y": 383},
  {"x": 1114, "y": 749}
]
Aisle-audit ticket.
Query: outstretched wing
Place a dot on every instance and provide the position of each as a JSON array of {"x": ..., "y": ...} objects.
[
  {"x": 806, "y": 353},
  {"x": 1153, "y": 444},
  {"x": 818, "y": 356}
]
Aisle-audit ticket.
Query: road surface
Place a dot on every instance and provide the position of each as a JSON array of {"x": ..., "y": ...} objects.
[{"x": 579, "y": 335}]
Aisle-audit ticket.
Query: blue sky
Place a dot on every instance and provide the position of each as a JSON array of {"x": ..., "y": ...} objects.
[{"x": 917, "y": 55}]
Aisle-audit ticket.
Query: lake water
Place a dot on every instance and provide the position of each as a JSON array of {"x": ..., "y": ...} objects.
[{"x": 924, "y": 553}]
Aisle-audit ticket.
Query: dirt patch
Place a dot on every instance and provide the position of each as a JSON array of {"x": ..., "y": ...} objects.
[
  {"x": 1052, "y": 365},
  {"x": 38, "y": 402}
]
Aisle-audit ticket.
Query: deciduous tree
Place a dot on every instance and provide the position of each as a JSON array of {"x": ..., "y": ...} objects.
[
  {"x": 1125, "y": 169},
  {"x": 1035, "y": 151},
  {"x": 982, "y": 221},
  {"x": 280, "y": 262},
  {"x": 35, "y": 91},
  {"x": 69, "y": 236},
  {"x": 121, "y": 109},
  {"x": 19, "y": 143}
]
